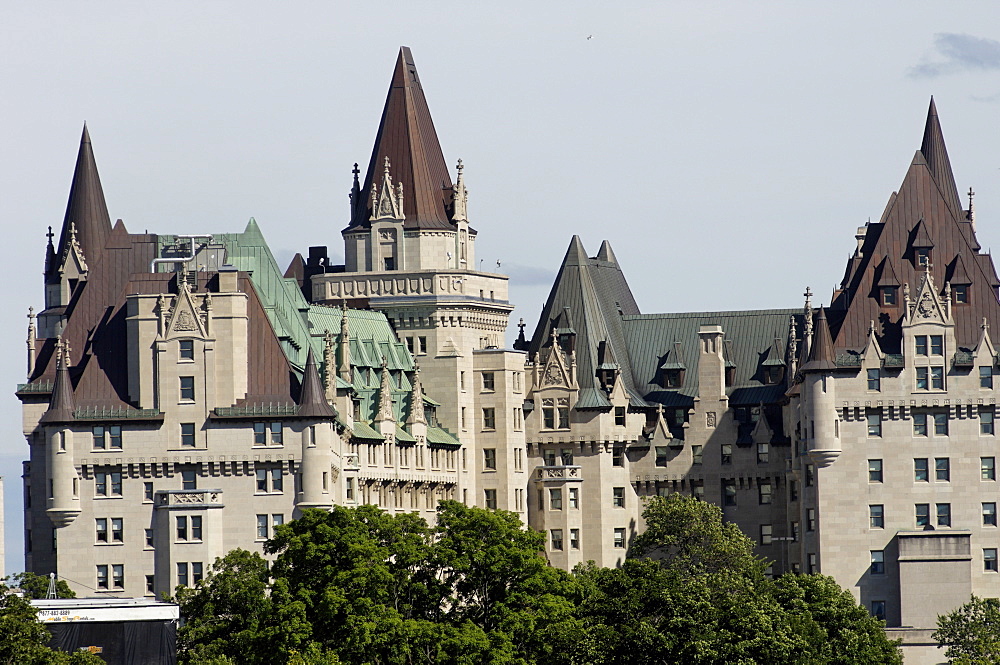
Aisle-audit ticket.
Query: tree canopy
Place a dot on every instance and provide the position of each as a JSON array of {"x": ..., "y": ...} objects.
[
  {"x": 971, "y": 633},
  {"x": 23, "y": 639},
  {"x": 358, "y": 585}
]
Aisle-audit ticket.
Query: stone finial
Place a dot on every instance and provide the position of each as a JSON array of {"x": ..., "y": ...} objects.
[
  {"x": 385, "y": 395},
  {"x": 460, "y": 196},
  {"x": 970, "y": 214},
  {"x": 417, "y": 414},
  {"x": 31, "y": 341}
]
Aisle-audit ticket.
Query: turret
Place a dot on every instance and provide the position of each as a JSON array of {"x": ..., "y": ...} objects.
[
  {"x": 819, "y": 397},
  {"x": 318, "y": 437},
  {"x": 63, "y": 482}
]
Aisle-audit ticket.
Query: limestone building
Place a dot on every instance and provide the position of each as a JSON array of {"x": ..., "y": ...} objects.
[{"x": 185, "y": 395}]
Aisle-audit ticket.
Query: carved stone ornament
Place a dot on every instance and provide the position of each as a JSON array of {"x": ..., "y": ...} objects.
[
  {"x": 553, "y": 376},
  {"x": 710, "y": 419},
  {"x": 926, "y": 307},
  {"x": 185, "y": 322},
  {"x": 334, "y": 472}
]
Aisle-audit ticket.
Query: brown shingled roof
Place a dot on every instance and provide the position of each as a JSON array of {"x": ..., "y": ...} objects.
[{"x": 312, "y": 399}]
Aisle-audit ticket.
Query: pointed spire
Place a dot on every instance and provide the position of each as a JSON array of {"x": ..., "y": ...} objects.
[
  {"x": 406, "y": 135},
  {"x": 61, "y": 404},
  {"x": 86, "y": 208},
  {"x": 329, "y": 366},
  {"x": 385, "y": 395},
  {"x": 606, "y": 254},
  {"x": 312, "y": 401},
  {"x": 416, "y": 400},
  {"x": 344, "y": 359},
  {"x": 51, "y": 259},
  {"x": 460, "y": 212},
  {"x": 821, "y": 357},
  {"x": 793, "y": 348},
  {"x": 576, "y": 255},
  {"x": 934, "y": 151}
]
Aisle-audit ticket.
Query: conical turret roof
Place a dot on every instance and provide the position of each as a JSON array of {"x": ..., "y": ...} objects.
[
  {"x": 406, "y": 136},
  {"x": 61, "y": 404},
  {"x": 821, "y": 356},
  {"x": 936, "y": 154},
  {"x": 312, "y": 399}
]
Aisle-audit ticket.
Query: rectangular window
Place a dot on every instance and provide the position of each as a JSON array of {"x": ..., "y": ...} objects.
[
  {"x": 422, "y": 345},
  {"x": 102, "y": 577},
  {"x": 919, "y": 424},
  {"x": 189, "y": 480},
  {"x": 182, "y": 574},
  {"x": 618, "y": 497},
  {"x": 574, "y": 539},
  {"x": 920, "y": 345},
  {"x": 197, "y": 572},
  {"x": 102, "y": 529},
  {"x": 793, "y": 490},
  {"x": 988, "y": 468},
  {"x": 986, "y": 422},
  {"x": 960, "y": 294},
  {"x": 941, "y": 424},
  {"x": 549, "y": 417},
  {"x": 696, "y": 454},
  {"x": 149, "y": 538},
  {"x": 810, "y": 519},
  {"x": 349, "y": 489},
  {"x": 923, "y": 514},
  {"x": 117, "y": 530},
  {"x": 878, "y": 609},
  {"x": 766, "y": 533},
  {"x": 874, "y": 470},
  {"x": 922, "y": 383},
  {"x": 986, "y": 377},
  {"x": 661, "y": 455},
  {"x": 812, "y": 564},
  {"x": 874, "y": 424},
  {"x": 277, "y": 480},
  {"x": 729, "y": 493},
  {"x": 810, "y": 475},
  {"x": 942, "y": 469},
  {"x": 489, "y": 381},
  {"x": 878, "y": 562},
  {"x": 276, "y": 434},
  {"x": 764, "y": 493},
  {"x": 876, "y": 516},
  {"x": 888, "y": 295},
  {"x": 187, "y": 388},
  {"x": 566, "y": 456},
  {"x": 874, "y": 379},
  {"x": 555, "y": 499},
  {"x": 118, "y": 576},
  {"x": 196, "y": 527},
  {"x": 557, "y": 540},
  {"x": 563, "y": 417},
  {"x": 619, "y": 538},
  {"x": 261, "y": 475},
  {"x": 726, "y": 454},
  {"x": 990, "y": 514},
  {"x": 920, "y": 474},
  {"x": 937, "y": 378},
  {"x": 617, "y": 456},
  {"x": 186, "y": 349},
  {"x": 489, "y": 418},
  {"x": 182, "y": 528},
  {"x": 260, "y": 434},
  {"x": 943, "y": 514},
  {"x": 763, "y": 453},
  {"x": 490, "y": 499},
  {"x": 262, "y": 527},
  {"x": 100, "y": 484},
  {"x": 150, "y": 584},
  {"x": 990, "y": 559},
  {"x": 490, "y": 459},
  {"x": 574, "y": 497},
  {"x": 620, "y": 416},
  {"x": 99, "y": 442},
  {"x": 115, "y": 437},
  {"x": 795, "y": 532},
  {"x": 937, "y": 345},
  {"x": 187, "y": 435}
]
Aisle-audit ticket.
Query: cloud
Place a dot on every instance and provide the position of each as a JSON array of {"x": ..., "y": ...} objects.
[
  {"x": 959, "y": 53},
  {"x": 527, "y": 275}
]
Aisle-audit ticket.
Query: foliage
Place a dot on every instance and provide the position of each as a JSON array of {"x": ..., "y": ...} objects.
[
  {"x": 36, "y": 587},
  {"x": 23, "y": 638},
  {"x": 971, "y": 633}
]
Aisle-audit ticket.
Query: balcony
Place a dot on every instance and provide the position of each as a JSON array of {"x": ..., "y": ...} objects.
[
  {"x": 189, "y": 498},
  {"x": 571, "y": 472}
]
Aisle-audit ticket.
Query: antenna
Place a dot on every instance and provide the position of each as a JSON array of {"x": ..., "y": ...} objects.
[{"x": 51, "y": 593}]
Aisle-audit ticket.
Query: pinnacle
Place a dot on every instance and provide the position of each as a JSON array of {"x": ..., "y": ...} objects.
[
  {"x": 936, "y": 154},
  {"x": 86, "y": 207},
  {"x": 606, "y": 253},
  {"x": 576, "y": 255}
]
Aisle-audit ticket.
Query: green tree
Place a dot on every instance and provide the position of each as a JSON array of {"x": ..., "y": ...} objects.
[
  {"x": 23, "y": 638},
  {"x": 971, "y": 633},
  {"x": 36, "y": 587}
]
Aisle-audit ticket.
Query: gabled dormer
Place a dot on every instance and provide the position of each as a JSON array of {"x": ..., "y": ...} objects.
[
  {"x": 960, "y": 281},
  {"x": 928, "y": 336},
  {"x": 920, "y": 246},
  {"x": 887, "y": 285},
  {"x": 773, "y": 366},
  {"x": 673, "y": 368}
]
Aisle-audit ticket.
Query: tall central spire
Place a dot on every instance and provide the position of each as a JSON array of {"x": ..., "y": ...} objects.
[
  {"x": 934, "y": 151},
  {"x": 406, "y": 136}
]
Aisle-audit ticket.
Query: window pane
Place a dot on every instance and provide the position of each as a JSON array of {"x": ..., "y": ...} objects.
[
  {"x": 920, "y": 470},
  {"x": 987, "y": 466},
  {"x": 874, "y": 470}
]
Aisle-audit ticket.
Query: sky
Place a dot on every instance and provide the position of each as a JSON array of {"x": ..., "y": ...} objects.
[{"x": 728, "y": 151}]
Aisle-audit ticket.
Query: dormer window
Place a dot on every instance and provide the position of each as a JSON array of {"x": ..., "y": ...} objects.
[
  {"x": 960, "y": 294},
  {"x": 673, "y": 378},
  {"x": 730, "y": 376},
  {"x": 773, "y": 375},
  {"x": 888, "y": 294},
  {"x": 922, "y": 256}
]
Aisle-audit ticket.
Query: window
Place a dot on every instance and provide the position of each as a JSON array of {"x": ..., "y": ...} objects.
[
  {"x": 548, "y": 414},
  {"x": 187, "y": 435},
  {"x": 557, "y": 540},
  {"x": 661, "y": 455},
  {"x": 795, "y": 532},
  {"x": 960, "y": 294},
  {"x": 115, "y": 437},
  {"x": 728, "y": 493},
  {"x": 490, "y": 459},
  {"x": 422, "y": 345},
  {"x": 810, "y": 519},
  {"x": 102, "y": 577},
  {"x": 489, "y": 418},
  {"x": 888, "y": 295},
  {"x": 197, "y": 572},
  {"x": 187, "y": 388},
  {"x": 937, "y": 345},
  {"x": 349, "y": 489},
  {"x": 937, "y": 378},
  {"x": 698, "y": 489},
  {"x": 277, "y": 480},
  {"x": 878, "y": 609},
  {"x": 986, "y": 422},
  {"x": 874, "y": 424},
  {"x": 261, "y": 475},
  {"x": 555, "y": 499},
  {"x": 920, "y": 345},
  {"x": 673, "y": 378},
  {"x": 182, "y": 574},
  {"x": 988, "y": 468},
  {"x": 186, "y": 351},
  {"x": 920, "y": 470},
  {"x": 489, "y": 381},
  {"x": 936, "y": 381},
  {"x": 147, "y": 491},
  {"x": 620, "y": 416},
  {"x": 618, "y": 456},
  {"x": 267, "y": 434},
  {"x": 619, "y": 538},
  {"x": 107, "y": 437},
  {"x": 262, "y": 527},
  {"x": 574, "y": 539},
  {"x": 810, "y": 475},
  {"x": 986, "y": 377},
  {"x": 150, "y": 584},
  {"x": 196, "y": 527},
  {"x": 696, "y": 454},
  {"x": 149, "y": 538},
  {"x": 990, "y": 559},
  {"x": 764, "y": 493},
  {"x": 182, "y": 528},
  {"x": 874, "y": 379},
  {"x": 618, "y": 497},
  {"x": 941, "y": 424},
  {"x": 923, "y": 514},
  {"x": 942, "y": 469},
  {"x": 876, "y": 516},
  {"x": 990, "y": 514},
  {"x": 490, "y": 499},
  {"x": 726, "y": 455},
  {"x": 766, "y": 532},
  {"x": 563, "y": 417},
  {"x": 566, "y": 456},
  {"x": 118, "y": 575},
  {"x": 878, "y": 562},
  {"x": 812, "y": 565},
  {"x": 102, "y": 529},
  {"x": 574, "y": 497},
  {"x": 117, "y": 531},
  {"x": 943, "y": 514},
  {"x": 874, "y": 470},
  {"x": 389, "y": 263},
  {"x": 793, "y": 490},
  {"x": 108, "y": 483},
  {"x": 763, "y": 453},
  {"x": 919, "y": 424},
  {"x": 189, "y": 480}
]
